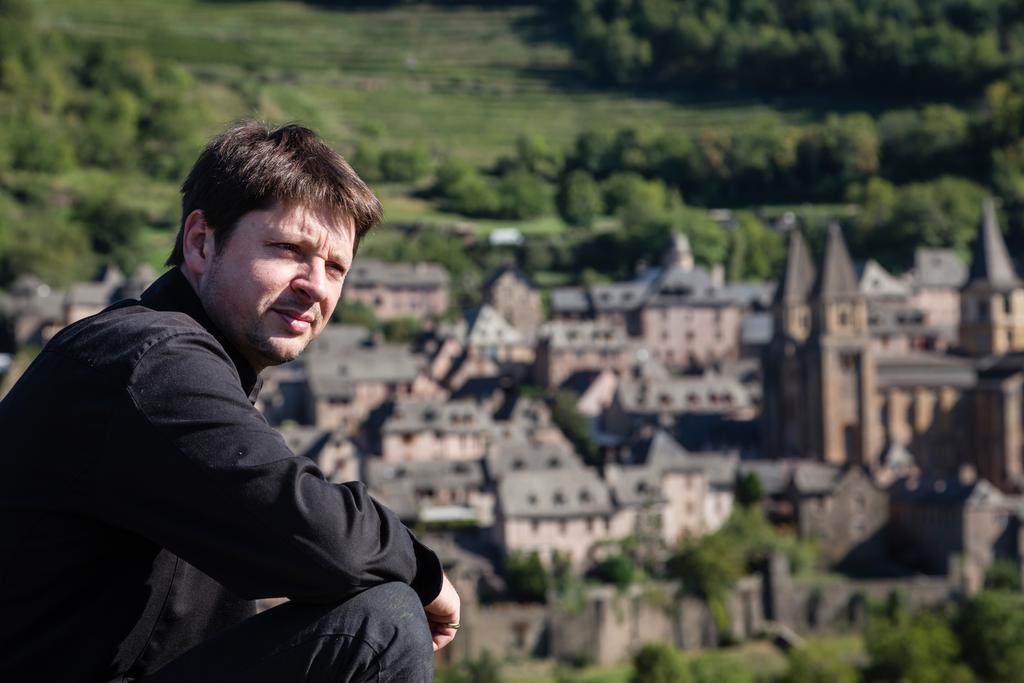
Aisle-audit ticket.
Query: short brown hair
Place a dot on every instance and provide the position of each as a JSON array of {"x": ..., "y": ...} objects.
[{"x": 250, "y": 167}]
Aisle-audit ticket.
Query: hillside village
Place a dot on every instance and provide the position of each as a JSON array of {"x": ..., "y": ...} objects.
[{"x": 877, "y": 416}]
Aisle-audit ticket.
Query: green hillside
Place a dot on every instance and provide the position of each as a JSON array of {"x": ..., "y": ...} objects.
[
  {"x": 464, "y": 80},
  {"x": 492, "y": 114}
]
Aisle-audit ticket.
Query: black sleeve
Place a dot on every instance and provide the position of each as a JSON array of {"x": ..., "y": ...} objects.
[{"x": 194, "y": 467}]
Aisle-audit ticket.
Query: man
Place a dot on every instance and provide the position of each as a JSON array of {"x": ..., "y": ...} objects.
[{"x": 145, "y": 503}]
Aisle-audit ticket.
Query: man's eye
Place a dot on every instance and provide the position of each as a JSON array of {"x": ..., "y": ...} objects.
[
  {"x": 336, "y": 268},
  {"x": 292, "y": 248}
]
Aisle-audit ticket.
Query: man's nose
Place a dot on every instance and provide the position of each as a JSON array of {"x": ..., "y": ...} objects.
[{"x": 311, "y": 281}]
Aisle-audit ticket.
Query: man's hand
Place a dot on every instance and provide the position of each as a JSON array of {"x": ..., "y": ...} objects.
[{"x": 443, "y": 612}]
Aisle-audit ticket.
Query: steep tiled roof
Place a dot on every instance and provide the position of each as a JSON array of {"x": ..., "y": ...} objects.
[
  {"x": 798, "y": 273},
  {"x": 582, "y": 335},
  {"x": 371, "y": 272},
  {"x": 519, "y": 455},
  {"x": 569, "y": 300},
  {"x": 336, "y": 374},
  {"x": 815, "y": 478},
  {"x": 947, "y": 492},
  {"x": 705, "y": 393},
  {"x": 553, "y": 493},
  {"x": 637, "y": 486},
  {"x": 921, "y": 368},
  {"x": 836, "y": 278},
  {"x": 990, "y": 261},
  {"x": 453, "y": 416},
  {"x": 618, "y": 296}
]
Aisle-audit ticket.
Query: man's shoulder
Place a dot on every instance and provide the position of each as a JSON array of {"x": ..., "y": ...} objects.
[{"x": 123, "y": 333}]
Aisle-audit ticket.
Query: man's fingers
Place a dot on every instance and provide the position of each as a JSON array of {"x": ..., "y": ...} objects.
[{"x": 441, "y": 635}]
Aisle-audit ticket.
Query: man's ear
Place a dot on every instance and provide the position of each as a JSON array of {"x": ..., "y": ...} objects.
[{"x": 197, "y": 244}]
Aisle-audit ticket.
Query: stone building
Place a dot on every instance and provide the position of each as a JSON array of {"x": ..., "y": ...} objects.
[
  {"x": 565, "y": 347},
  {"x": 333, "y": 452},
  {"x": 434, "y": 430},
  {"x": 344, "y": 386},
  {"x": 831, "y": 395},
  {"x": 511, "y": 293},
  {"x": 397, "y": 290},
  {"x": 685, "y": 315},
  {"x": 435, "y": 491},
  {"x": 552, "y": 511},
  {"x": 942, "y": 526},
  {"x": 844, "y": 511}
]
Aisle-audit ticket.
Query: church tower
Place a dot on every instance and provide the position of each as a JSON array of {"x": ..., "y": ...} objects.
[
  {"x": 992, "y": 299},
  {"x": 841, "y": 401},
  {"x": 784, "y": 426}
]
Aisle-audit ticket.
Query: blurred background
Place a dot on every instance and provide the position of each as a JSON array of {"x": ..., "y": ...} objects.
[{"x": 576, "y": 154}]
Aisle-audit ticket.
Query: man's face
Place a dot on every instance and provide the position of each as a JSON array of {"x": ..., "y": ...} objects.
[{"x": 273, "y": 285}]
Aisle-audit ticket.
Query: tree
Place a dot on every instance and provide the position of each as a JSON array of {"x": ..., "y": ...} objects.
[
  {"x": 525, "y": 576},
  {"x": 573, "y": 424},
  {"x": 580, "y": 201},
  {"x": 809, "y": 666},
  {"x": 365, "y": 160},
  {"x": 402, "y": 330},
  {"x": 1003, "y": 575},
  {"x": 404, "y": 165},
  {"x": 749, "y": 490},
  {"x": 483, "y": 669},
  {"x": 659, "y": 663},
  {"x": 114, "y": 227},
  {"x": 355, "y": 313},
  {"x": 471, "y": 194},
  {"x": 991, "y": 629},
  {"x": 914, "y": 649},
  {"x": 756, "y": 252},
  {"x": 522, "y": 195},
  {"x": 537, "y": 156},
  {"x": 618, "y": 570}
]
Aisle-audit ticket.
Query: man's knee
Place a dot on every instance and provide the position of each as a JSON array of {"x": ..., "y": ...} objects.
[{"x": 389, "y": 617}]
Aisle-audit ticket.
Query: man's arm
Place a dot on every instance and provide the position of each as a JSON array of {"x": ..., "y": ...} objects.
[{"x": 192, "y": 466}]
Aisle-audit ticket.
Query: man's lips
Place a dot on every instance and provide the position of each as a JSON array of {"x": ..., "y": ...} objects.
[{"x": 296, "y": 321}]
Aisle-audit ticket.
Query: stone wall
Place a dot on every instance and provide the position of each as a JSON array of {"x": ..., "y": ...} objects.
[
  {"x": 611, "y": 625},
  {"x": 828, "y": 605}
]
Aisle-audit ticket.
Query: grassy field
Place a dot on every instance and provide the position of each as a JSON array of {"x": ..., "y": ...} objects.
[
  {"x": 462, "y": 80},
  {"x": 762, "y": 658}
]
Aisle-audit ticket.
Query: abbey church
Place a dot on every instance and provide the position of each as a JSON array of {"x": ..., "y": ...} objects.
[{"x": 832, "y": 394}]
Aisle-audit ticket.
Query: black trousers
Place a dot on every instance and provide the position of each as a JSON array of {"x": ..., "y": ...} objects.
[{"x": 379, "y": 635}]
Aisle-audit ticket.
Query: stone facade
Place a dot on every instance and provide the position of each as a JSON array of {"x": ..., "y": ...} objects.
[
  {"x": 514, "y": 297},
  {"x": 831, "y": 394},
  {"x": 398, "y": 290}
]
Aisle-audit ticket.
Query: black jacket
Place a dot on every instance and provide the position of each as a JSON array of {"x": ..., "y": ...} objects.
[{"x": 144, "y": 502}]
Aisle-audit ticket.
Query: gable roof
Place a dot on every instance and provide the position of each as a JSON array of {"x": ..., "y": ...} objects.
[
  {"x": 939, "y": 268},
  {"x": 878, "y": 283},
  {"x": 507, "y": 269},
  {"x": 486, "y": 327}
]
